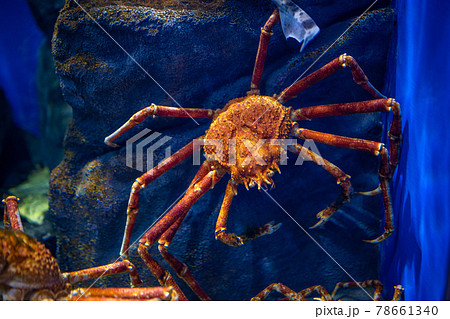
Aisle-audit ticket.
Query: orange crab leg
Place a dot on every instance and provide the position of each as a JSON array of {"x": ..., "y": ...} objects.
[
  {"x": 163, "y": 276},
  {"x": 367, "y": 283},
  {"x": 398, "y": 290},
  {"x": 110, "y": 269},
  {"x": 398, "y": 293},
  {"x": 99, "y": 298},
  {"x": 379, "y": 105},
  {"x": 266, "y": 33},
  {"x": 319, "y": 289},
  {"x": 106, "y": 294},
  {"x": 201, "y": 173},
  {"x": 172, "y": 217},
  {"x": 157, "y": 110},
  {"x": 342, "y": 179},
  {"x": 384, "y": 173},
  {"x": 318, "y": 111},
  {"x": 164, "y": 241},
  {"x": 181, "y": 269},
  {"x": 385, "y": 176},
  {"x": 221, "y": 226},
  {"x": 145, "y": 180},
  {"x": 292, "y": 295},
  {"x": 328, "y": 69},
  {"x": 281, "y": 288},
  {"x": 339, "y": 141},
  {"x": 11, "y": 216},
  {"x": 191, "y": 196}
]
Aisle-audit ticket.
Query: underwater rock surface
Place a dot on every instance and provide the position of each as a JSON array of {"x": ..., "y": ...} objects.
[{"x": 202, "y": 53}]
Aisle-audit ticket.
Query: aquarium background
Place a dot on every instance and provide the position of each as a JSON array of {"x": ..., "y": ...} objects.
[
  {"x": 417, "y": 254},
  {"x": 20, "y": 40}
]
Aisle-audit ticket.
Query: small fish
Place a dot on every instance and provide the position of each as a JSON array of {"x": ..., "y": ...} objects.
[{"x": 295, "y": 22}]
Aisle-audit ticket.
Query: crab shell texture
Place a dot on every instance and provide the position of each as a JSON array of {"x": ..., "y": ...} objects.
[
  {"x": 254, "y": 121},
  {"x": 26, "y": 264}
]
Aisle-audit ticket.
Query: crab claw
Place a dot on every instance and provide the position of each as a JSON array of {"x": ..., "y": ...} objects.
[
  {"x": 324, "y": 215},
  {"x": 267, "y": 229},
  {"x": 322, "y": 220},
  {"x": 376, "y": 191},
  {"x": 379, "y": 239},
  {"x": 111, "y": 144},
  {"x": 270, "y": 227}
]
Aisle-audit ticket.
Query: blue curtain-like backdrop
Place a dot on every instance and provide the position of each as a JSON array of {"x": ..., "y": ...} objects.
[
  {"x": 418, "y": 255},
  {"x": 19, "y": 43}
]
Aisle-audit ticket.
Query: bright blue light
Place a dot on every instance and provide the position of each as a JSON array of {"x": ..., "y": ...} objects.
[
  {"x": 418, "y": 254},
  {"x": 19, "y": 42}
]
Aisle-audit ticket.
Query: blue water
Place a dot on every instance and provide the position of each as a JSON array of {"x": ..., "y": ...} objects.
[
  {"x": 19, "y": 42},
  {"x": 418, "y": 254}
]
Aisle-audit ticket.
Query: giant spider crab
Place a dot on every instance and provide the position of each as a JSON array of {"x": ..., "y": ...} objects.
[
  {"x": 28, "y": 271},
  {"x": 244, "y": 141}
]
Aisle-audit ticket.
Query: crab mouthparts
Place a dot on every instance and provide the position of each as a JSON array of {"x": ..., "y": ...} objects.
[{"x": 263, "y": 177}]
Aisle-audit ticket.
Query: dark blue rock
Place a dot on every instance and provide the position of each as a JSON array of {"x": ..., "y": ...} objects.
[{"x": 203, "y": 56}]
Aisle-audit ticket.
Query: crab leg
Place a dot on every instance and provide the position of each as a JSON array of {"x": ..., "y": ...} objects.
[
  {"x": 376, "y": 149},
  {"x": 157, "y": 110},
  {"x": 181, "y": 269},
  {"x": 201, "y": 173},
  {"x": 164, "y": 241},
  {"x": 279, "y": 287},
  {"x": 339, "y": 141},
  {"x": 145, "y": 180},
  {"x": 221, "y": 225},
  {"x": 292, "y": 295},
  {"x": 174, "y": 215},
  {"x": 328, "y": 69},
  {"x": 319, "y": 289},
  {"x": 318, "y": 111},
  {"x": 385, "y": 176},
  {"x": 110, "y": 269},
  {"x": 106, "y": 294},
  {"x": 398, "y": 292},
  {"x": 11, "y": 216},
  {"x": 380, "y": 105},
  {"x": 266, "y": 33},
  {"x": 367, "y": 283},
  {"x": 342, "y": 180}
]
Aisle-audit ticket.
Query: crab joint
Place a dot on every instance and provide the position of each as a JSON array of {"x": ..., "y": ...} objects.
[
  {"x": 343, "y": 59},
  {"x": 266, "y": 31},
  {"x": 342, "y": 179}
]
